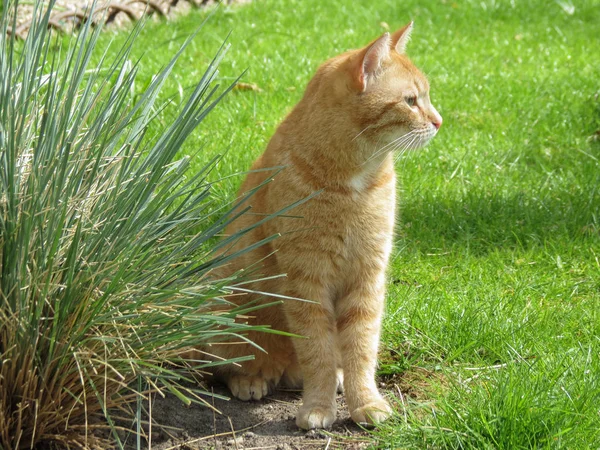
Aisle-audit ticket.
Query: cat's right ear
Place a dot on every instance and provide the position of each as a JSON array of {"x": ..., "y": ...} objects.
[
  {"x": 371, "y": 58},
  {"x": 401, "y": 37}
]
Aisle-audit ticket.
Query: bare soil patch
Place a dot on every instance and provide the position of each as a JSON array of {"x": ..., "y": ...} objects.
[{"x": 233, "y": 424}]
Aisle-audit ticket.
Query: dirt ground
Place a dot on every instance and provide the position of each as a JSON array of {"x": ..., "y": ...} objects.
[{"x": 267, "y": 424}]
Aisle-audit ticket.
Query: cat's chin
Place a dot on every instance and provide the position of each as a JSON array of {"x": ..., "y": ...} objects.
[{"x": 426, "y": 141}]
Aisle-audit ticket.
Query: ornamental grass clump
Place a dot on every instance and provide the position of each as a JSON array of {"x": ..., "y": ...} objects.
[{"x": 104, "y": 277}]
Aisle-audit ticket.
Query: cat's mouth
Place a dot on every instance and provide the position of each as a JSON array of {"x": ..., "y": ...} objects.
[
  {"x": 426, "y": 135},
  {"x": 414, "y": 139}
]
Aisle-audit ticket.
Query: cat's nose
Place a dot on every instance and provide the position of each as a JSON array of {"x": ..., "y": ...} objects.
[{"x": 435, "y": 117}]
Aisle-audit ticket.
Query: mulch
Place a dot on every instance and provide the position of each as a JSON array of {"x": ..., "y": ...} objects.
[{"x": 68, "y": 14}]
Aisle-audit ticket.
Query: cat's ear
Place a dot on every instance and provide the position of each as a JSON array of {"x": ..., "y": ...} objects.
[
  {"x": 401, "y": 37},
  {"x": 371, "y": 59}
]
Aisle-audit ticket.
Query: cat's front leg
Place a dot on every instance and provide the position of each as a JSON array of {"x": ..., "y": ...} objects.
[
  {"x": 316, "y": 356},
  {"x": 358, "y": 325}
]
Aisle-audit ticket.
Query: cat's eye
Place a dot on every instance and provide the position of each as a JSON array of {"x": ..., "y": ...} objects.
[{"x": 411, "y": 101}]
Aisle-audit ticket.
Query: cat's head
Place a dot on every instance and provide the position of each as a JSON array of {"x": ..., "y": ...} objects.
[{"x": 385, "y": 95}]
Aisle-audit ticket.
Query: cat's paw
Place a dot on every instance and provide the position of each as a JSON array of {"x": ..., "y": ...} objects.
[
  {"x": 372, "y": 413},
  {"x": 248, "y": 388},
  {"x": 315, "y": 416}
]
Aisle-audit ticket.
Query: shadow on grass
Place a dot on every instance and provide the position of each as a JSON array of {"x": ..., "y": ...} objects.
[
  {"x": 563, "y": 207},
  {"x": 485, "y": 221}
]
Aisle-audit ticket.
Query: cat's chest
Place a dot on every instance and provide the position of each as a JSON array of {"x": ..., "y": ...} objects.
[{"x": 366, "y": 225}]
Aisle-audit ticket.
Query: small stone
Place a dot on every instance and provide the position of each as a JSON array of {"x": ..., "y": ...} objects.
[
  {"x": 315, "y": 434},
  {"x": 238, "y": 440}
]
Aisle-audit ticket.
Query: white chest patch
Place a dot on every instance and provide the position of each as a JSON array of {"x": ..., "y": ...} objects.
[{"x": 359, "y": 181}]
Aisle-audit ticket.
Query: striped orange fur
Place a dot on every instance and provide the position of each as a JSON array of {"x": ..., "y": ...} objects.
[{"x": 358, "y": 108}]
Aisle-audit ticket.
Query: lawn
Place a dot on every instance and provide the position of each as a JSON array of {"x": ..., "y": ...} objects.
[{"x": 492, "y": 327}]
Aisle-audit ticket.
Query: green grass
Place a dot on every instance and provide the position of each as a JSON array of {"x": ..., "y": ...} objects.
[{"x": 493, "y": 325}]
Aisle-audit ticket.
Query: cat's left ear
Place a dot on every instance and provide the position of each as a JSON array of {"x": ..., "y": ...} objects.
[
  {"x": 371, "y": 59},
  {"x": 401, "y": 37}
]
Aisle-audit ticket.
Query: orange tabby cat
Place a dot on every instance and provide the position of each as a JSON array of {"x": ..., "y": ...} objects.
[{"x": 359, "y": 107}]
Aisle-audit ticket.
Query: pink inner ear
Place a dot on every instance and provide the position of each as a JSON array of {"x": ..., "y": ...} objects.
[{"x": 375, "y": 54}]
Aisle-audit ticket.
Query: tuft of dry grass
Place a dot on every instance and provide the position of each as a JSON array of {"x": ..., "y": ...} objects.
[{"x": 107, "y": 243}]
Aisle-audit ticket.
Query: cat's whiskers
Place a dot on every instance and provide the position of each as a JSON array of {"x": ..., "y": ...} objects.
[
  {"x": 400, "y": 156},
  {"x": 399, "y": 142},
  {"x": 365, "y": 129},
  {"x": 416, "y": 141},
  {"x": 409, "y": 145},
  {"x": 402, "y": 143},
  {"x": 419, "y": 139},
  {"x": 405, "y": 143},
  {"x": 393, "y": 144},
  {"x": 401, "y": 139}
]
